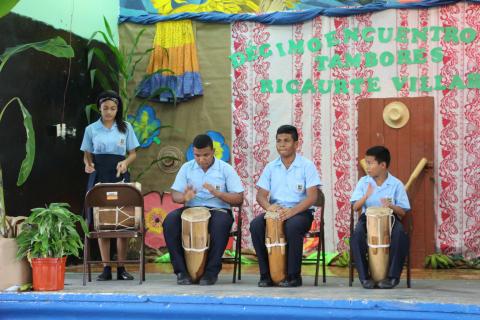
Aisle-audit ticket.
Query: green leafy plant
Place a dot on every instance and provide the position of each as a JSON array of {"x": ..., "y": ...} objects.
[
  {"x": 343, "y": 258},
  {"x": 439, "y": 261},
  {"x": 56, "y": 47},
  {"x": 119, "y": 71},
  {"x": 51, "y": 233}
]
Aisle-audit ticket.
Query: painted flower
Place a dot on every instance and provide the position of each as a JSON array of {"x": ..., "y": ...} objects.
[
  {"x": 154, "y": 219},
  {"x": 146, "y": 126},
  {"x": 222, "y": 150},
  {"x": 156, "y": 206}
]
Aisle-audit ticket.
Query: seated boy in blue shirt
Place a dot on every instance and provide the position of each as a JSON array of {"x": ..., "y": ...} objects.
[
  {"x": 203, "y": 182},
  {"x": 379, "y": 188},
  {"x": 288, "y": 185}
]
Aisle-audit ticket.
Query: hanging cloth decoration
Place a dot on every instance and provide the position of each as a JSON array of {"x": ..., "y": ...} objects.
[{"x": 174, "y": 49}]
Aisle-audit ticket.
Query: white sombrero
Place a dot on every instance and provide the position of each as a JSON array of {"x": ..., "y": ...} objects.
[{"x": 396, "y": 114}]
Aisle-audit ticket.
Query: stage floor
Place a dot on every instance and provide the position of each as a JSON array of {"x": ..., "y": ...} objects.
[
  {"x": 459, "y": 286},
  {"x": 435, "y": 294}
]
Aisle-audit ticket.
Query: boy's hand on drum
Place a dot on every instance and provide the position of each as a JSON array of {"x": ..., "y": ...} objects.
[
  {"x": 189, "y": 193},
  {"x": 274, "y": 208},
  {"x": 286, "y": 213},
  {"x": 210, "y": 188},
  {"x": 386, "y": 202}
]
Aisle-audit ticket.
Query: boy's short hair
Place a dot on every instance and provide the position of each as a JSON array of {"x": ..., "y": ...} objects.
[
  {"x": 202, "y": 141},
  {"x": 288, "y": 129},
  {"x": 380, "y": 153}
]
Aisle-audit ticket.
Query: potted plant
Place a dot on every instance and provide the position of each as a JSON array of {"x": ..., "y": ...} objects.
[{"x": 48, "y": 236}]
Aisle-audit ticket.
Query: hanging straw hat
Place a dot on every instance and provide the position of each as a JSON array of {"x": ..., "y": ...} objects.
[
  {"x": 170, "y": 159},
  {"x": 396, "y": 114}
]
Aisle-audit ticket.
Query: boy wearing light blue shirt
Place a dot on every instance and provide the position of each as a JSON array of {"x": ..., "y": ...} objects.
[
  {"x": 203, "y": 182},
  {"x": 380, "y": 189},
  {"x": 288, "y": 185}
]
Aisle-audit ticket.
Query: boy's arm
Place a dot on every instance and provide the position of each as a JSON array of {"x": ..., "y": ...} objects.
[{"x": 361, "y": 202}]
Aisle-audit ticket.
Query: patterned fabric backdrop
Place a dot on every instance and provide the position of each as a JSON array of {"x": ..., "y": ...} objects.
[{"x": 328, "y": 122}]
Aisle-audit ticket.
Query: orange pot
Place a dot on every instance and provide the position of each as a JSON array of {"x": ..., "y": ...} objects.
[{"x": 48, "y": 273}]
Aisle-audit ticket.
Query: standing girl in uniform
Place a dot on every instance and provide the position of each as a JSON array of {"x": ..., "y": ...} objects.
[{"x": 109, "y": 148}]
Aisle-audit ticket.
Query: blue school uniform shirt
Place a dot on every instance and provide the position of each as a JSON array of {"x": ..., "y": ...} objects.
[
  {"x": 101, "y": 140},
  {"x": 288, "y": 187},
  {"x": 220, "y": 175},
  {"x": 391, "y": 188}
]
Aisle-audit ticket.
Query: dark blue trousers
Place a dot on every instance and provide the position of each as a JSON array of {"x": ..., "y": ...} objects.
[
  {"x": 219, "y": 227},
  {"x": 295, "y": 229},
  {"x": 399, "y": 246}
]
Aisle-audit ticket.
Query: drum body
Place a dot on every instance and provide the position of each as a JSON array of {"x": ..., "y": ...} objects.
[
  {"x": 117, "y": 218},
  {"x": 379, "y": 225},
  {"x": 195, "y": 240},
  {"x": 276, "y": 243}
]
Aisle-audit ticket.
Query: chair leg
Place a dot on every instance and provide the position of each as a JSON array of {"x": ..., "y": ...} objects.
[
  {"x": 89, "y": 253},
  {"x": 141, "y": 260},
  {"x": 409, "y": 271},
  {"x": 323, "y": 258},
  {"x": 235, "y": 260},
  {"x": 85, "y": 260},
  {"x": 350, "y": 268},
  {"x": 317, "y": 264}
]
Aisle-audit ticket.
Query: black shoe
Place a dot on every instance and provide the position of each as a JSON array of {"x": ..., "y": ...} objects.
[
  {"x": 208, "y": 280},
  {"x": 106, "y": 274},
  {"x": 388, "y": 283},
  {"x": 265, "y": 281},
  {"x": 122, "y": 274},
  {"x": 367, "y": 283},
  {"x": 183, "y": 278},
  {"x": 291, "y": 282}
]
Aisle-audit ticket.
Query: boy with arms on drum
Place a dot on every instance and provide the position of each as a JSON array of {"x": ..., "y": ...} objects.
[
  {"x": 288, "y": 185},
  {"x": 379, "y": 188},
  {"x": 203, "y": 182}
]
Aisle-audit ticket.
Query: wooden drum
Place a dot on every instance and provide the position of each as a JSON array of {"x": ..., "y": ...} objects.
[
  {"x": 195, "y": 239},
  {"x": 379, "y": 225},
  {"x": 275, "y": 242},
  {"x": 117, "y": 218}
]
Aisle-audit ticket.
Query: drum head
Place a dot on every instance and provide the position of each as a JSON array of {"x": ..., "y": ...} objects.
[
  {"x": 196, "y": 214},
  {"x": 378, "y": 211}
]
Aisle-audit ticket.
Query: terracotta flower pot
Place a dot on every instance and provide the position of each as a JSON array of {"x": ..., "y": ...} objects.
[{"x": 48, "y": 273}]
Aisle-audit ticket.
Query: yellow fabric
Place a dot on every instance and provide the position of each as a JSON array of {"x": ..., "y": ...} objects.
[
  {"x": 174, "y": 48},
  {"x": 173, "y": 34},
  {"x": 164, "y": 7}
]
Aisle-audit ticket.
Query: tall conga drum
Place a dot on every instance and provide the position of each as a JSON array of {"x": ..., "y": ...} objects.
[
  {"x": 195, "y": 239},
  {"x": 379, "y": 225},
  {"x": 275, "y": 242}
]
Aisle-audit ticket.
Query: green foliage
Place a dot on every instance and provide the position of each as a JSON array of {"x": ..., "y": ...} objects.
[
  {"x": 56, "y": 47},
  {"x": 119, "y": 71},
  {"x": 27, "y": 162},
  {"x": 51, "y": 233},
  {"x": 343, "y": 258},
  {"x": 439, "y": 261},
  {"x": 6, "y": 6}
]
